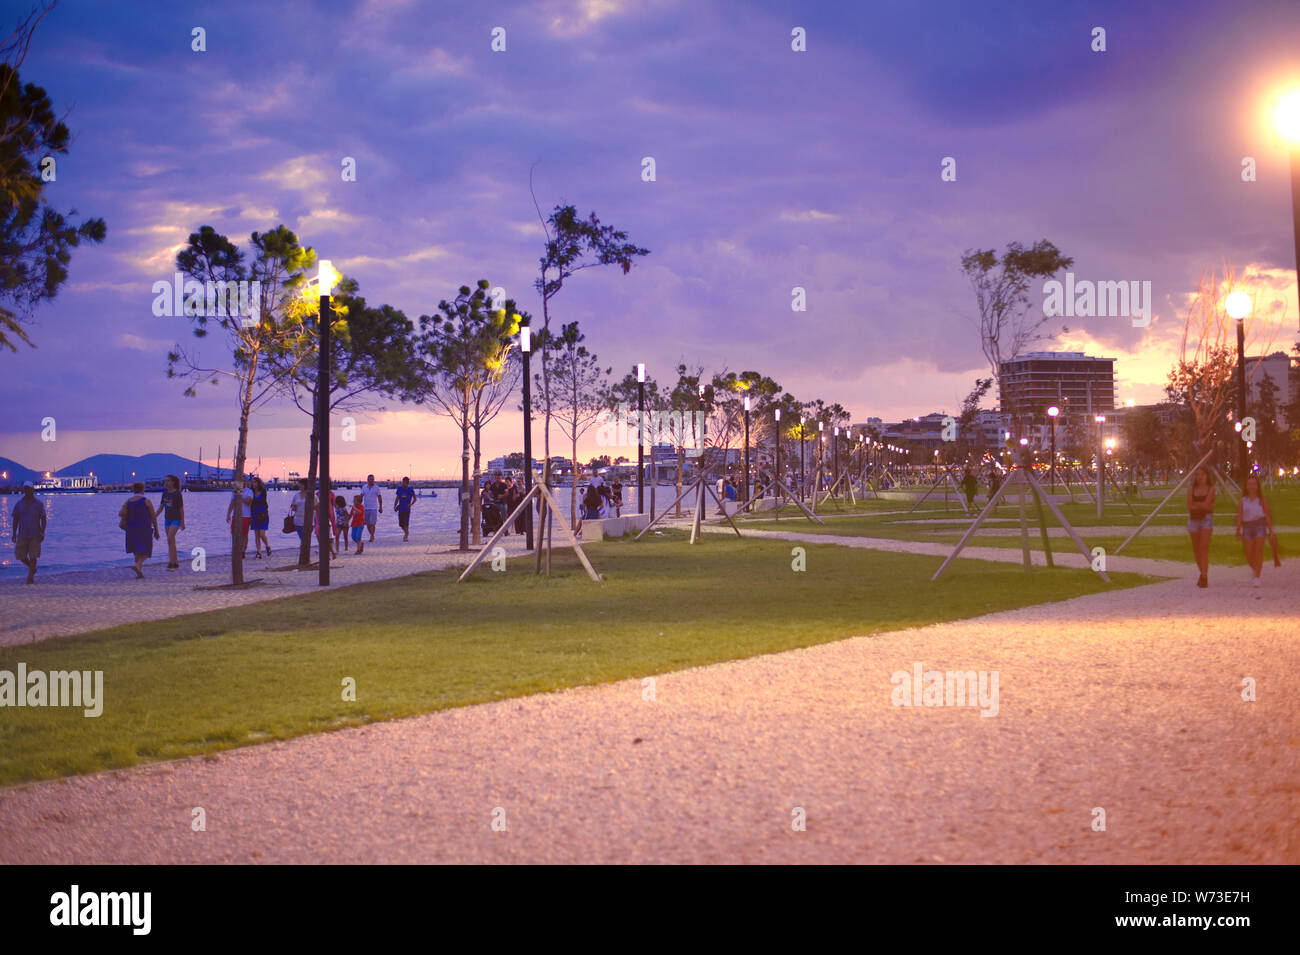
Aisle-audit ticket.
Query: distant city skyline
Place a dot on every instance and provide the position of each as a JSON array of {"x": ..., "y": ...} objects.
[{"x": 775, "y": 170}]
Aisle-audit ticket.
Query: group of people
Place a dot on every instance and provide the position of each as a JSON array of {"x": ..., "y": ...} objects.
[
  {"x": 1254, "y": 524},
  {"x": 138, "y": 519}
]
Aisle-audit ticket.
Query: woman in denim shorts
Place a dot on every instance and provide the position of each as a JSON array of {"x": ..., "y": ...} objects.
[
  {"x": 1254, "y": 525},
  {"x": 1200, "y": 520}
]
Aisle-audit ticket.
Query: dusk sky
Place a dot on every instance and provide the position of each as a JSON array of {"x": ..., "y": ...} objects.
[{"x": 775, "y": 169}]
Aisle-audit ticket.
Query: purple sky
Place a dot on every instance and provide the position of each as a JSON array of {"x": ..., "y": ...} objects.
[{"x": 775, "y": 169}]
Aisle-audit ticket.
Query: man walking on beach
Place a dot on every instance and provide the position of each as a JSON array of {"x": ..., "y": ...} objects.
[
  {"x": 28, "y": 523},
  {"x": 373, "y": 502},
  {"x": 405, "y": 498}
]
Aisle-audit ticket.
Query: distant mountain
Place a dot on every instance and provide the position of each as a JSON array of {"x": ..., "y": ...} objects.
[
  {"x": 17, "y": 473},
  {"x": 113, "y": 468}
]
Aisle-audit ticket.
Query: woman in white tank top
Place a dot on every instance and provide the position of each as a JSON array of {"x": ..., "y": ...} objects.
[{"x": 1254, "y": 526}]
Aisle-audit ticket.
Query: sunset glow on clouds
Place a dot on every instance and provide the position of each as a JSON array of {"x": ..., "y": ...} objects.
[{"x": 775, "y": 169}]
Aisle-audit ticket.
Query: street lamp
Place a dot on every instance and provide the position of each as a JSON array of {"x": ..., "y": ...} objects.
[
  {"x": 744, "y": 483},
  {"x": 1101, "y": 462},
  {"x": 325, "y": 280},
  {"x": 526, "y": 350},
  {"x": 640, "y": 440},
  {"x": 1052, "y": 412},
  {"x": 1287, "y": 118},
  {"x": 1238, "y": 306},
  {"x": 835, "y": 459},
  {"x": 803, "y": 472},
  {"x": 776, "y": 487}
]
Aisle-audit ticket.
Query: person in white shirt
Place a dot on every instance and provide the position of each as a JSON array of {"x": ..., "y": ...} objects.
[
  {"x": 373, "y": 501},
  {"x": 1254, "y": 525},
  {"x": 298, "y": 508}
]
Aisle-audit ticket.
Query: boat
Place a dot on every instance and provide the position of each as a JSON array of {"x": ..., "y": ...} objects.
[{"x": 70, "y": 484}]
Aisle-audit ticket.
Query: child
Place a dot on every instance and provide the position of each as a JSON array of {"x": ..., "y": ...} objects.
[
  {"x": 340, "y": 522},
  {"x": 358, "y": 521}
]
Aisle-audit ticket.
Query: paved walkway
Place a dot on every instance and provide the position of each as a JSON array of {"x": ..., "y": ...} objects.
[
  {"x": 80, "y": 601},
  {"x": 1061, "y": 556},
  {"x": 1128, "y": 701}
]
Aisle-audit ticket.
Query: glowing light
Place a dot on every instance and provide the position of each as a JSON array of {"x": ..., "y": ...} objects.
[
  {"x": 525, "y": 338},
  {"x": 1237, "y": 305},
  {"x": 640, "y": 372},
  {"x": 1053, "y": 411},
  {"x": 326, "y": 277},
  {"x": 1287, "y": 116}
]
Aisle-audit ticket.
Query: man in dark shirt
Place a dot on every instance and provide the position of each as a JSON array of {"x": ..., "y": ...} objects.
[
  {"x": 405, "y": 498},
  {"x": 28, "y": 523}
]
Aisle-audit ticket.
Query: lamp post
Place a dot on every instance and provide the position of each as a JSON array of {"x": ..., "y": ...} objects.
[
  {"x": 1287, "y": 118},
  {"x": 744, "y": 483},
  {"x": 803, "y": 472},
  {"x": 776, "y": 487},
  {"x": 325, "y": 278},
  {"x": 821, "y": 453},
  {"x": 1237, "y": 306},
  {"x": 1101, "y": 460},
  {"x": 835, "y": 458},
  {"x": 1052, "y": 412},
  {"x": 526, "y": 350},
  {"x": 640, "y": 439}
]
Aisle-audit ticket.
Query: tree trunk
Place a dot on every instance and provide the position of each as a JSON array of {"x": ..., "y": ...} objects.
[
  {"x": 546, "y": 431},
  {"x": 237, "y": 536},
  {"x": 573, "y": 491},
  {"x": 681, "y": 463},
  {"x": 313, "y": 460},
  {"x": 476, "y": 525}
]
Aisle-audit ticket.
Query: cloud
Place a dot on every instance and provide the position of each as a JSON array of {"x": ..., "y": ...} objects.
[
  {"x": 151, "y": 346},
  {"x": 808, "y": 215}
]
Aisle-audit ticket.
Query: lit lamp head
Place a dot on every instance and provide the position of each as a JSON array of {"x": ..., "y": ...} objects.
[
  {"x": 525, "y": 339},
  {"x": 1287, "y": 117},
  {"x": 1053, "y": 411},
  {"x": 1237, "y": 305},
  {"x": 746, "y": 402},
  {"x": 821, "y": 425},
  {"x": 326, "y": 278},
  {"x": 778, "y": 414},
  {"x": 640, "y": 373},
  {"x": 1024, "y": 442},
  {"x": 1100, "y": 419}
]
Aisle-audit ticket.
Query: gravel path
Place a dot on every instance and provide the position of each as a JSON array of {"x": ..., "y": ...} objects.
[
  {"x": 1129, "y": 701},
  {"x": 81, "y": 601}
]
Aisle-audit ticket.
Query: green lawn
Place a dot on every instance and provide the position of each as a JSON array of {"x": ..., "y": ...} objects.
[
  {"x": 274, "y": 670},
  {"x": 870, "y": 519}
]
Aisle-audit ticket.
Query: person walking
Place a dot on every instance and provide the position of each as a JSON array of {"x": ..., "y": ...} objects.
[
  {"x": 340, "y": 522},
  {"x": 515, "y": 495},
  {"x": 1200, "y": 521},
  {"x": 616, "y": 494},
  {"x": 240, "y": 509},
  {"x": 173, "y": 507},
  {"x": 373, "y": 499},
  {"x": 298, "y": 507},
  {"x": 261, "y": 512},
  {"x": 137, "y": 517},
  {"x": 405, "y": 498},
  {"x": 1254, "y": 525},
  {"x": 28, "y": 529},
  {"x": 968, "y": 486},
  {"x": 358, "y": 520}
]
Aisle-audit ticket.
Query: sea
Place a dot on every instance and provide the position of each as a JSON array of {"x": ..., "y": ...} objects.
[{"x": 83, "y": 534}]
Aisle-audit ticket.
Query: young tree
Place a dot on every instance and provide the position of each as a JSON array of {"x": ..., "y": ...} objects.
[
  {"x": 623, "y": 395},
  {"x": 35, "y": 240},
  {"x": 1006, "y": 322},
  {"x": 372, "y": 358},
  {"x": 262, "y": 347},
  {"x": 577, "y": 399},
  {"x": 461, "y": 350},
  {"x": 1204, "y": 379},
  {"x": 573, "y": 244},
  {"x": 1269, "y": 439}
]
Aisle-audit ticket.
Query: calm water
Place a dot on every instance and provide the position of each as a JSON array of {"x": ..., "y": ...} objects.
[{"x": 83, "y": 533}]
